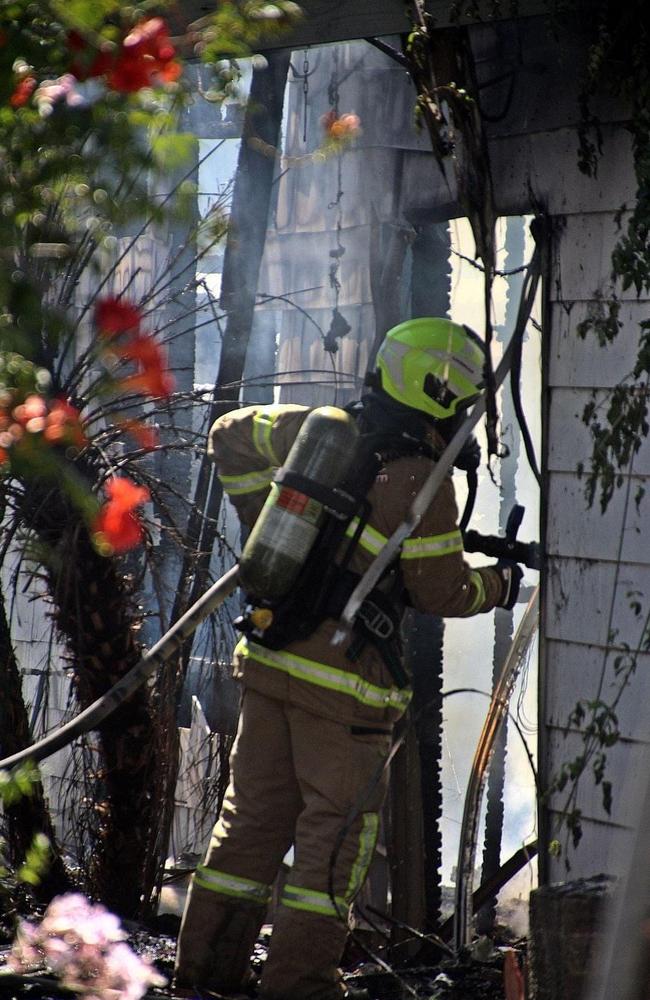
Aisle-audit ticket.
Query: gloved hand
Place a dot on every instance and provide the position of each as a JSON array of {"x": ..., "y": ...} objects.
[
  {"x": 511, "y": 575},
  {"x": 469, "y": 456}
]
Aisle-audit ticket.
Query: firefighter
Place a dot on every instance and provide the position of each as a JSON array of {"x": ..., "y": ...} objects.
[{"x": 307, "y": 767}]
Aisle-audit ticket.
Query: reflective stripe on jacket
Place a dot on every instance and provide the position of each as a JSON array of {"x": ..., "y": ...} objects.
[
  {"x": 325, "y": 676},
  {"x": 247, "y": 445}
]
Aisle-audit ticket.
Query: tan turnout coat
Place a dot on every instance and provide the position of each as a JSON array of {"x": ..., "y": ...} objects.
[{"x": 248, "y": 445}]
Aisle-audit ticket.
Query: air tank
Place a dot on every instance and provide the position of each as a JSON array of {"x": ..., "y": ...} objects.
[{"x": 289, "y": 523}]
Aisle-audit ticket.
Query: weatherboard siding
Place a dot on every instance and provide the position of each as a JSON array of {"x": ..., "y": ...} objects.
[{"x": 598, "y": 562}]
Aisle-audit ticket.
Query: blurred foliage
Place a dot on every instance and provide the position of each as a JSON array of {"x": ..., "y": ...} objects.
[
  {"x": 91, "y": 94},
  {"x": 14, "y": 786}
]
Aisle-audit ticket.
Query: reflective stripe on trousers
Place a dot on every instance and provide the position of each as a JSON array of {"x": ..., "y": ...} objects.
[
  {"x": 299, "y": 898},
  {"x": 232, "y": 885}
]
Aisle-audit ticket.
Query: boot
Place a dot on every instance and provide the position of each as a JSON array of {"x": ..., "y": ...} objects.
[{"x": 215, "y": 943}]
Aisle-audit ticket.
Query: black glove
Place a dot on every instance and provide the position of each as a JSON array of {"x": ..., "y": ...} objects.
[
  {"x": 469, "y": 456},
  {"x": 511, "y": 575}
]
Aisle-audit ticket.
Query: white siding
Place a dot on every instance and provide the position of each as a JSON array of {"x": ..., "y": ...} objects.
[
  {"x": 594, "y": 559},
  {"x": 597, "y": 560}
]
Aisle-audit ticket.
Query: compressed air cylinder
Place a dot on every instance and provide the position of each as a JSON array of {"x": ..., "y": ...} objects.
[{"x": 289, "y": 522}]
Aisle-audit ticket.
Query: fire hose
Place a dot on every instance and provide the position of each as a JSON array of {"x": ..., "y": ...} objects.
[
  {"x": 161, "y": 651},
  {"x": 471, "y": 811},
  {"x": 187, "y": 624}
]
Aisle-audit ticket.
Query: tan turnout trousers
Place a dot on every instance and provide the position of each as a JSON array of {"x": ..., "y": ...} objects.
[
  {"x": 295, "y": 778},
  {"x": 304, "y": 768}
]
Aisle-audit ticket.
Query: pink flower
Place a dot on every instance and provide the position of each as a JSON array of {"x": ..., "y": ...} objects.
[
  {"x": 83, "y": 944},
  {"x": 63, "y": 425},
  {"x": 33, "y": 407},
  {"x": 50, "y": 92}
]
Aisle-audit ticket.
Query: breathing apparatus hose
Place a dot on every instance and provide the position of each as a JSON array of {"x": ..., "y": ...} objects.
[
  {"x": 161, "y": 651},
  {"x": 472, "y": 486}
]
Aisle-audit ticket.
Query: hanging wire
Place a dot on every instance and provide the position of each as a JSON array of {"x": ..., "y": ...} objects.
[
  {"x": 305, "y": 93},
  {"x": 339, "y": 326},
  {"x": 303, "y": 78}
]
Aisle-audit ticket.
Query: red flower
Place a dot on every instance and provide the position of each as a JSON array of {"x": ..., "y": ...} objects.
[
  {"x": 152, "y": 382},
  {"x": 23, "y": 92},
  {"x": 347, "y": 126},
  {"x": 146, "y": 436},
  {"x": 142, "y": 348},
  {"x": 87, "y": 61},
  {"x": 63, "y": 424},
  {"x": 145, "y": 58},
  {"x": 116, "y": 523},
  {"x": 153, "y": 379},
  {"x": 114, "y": 316}
]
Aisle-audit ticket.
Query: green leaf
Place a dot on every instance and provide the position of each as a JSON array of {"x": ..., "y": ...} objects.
[
  {"x": 85, "y": 14},
  {"x": 37, "y": 861},
  {"x": 170, "y": 152},
  {"x": 607, "y": 797}
]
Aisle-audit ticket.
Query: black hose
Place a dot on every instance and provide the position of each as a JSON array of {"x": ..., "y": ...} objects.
[{"x": 472, "y": 486}]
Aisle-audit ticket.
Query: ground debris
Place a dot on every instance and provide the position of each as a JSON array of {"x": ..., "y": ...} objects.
[
  {"x": 451, "y": 979},
  {"x": 478, "y": 975}
]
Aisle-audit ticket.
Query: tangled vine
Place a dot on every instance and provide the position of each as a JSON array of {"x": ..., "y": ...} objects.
[
  {"x": 618, "y": 64},
  {"x": 619, "y": 59}
]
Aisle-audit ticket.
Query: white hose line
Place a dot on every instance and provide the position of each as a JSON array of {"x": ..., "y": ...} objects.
[
  {"x": 496, "y": 713},
  {"x": 168, "y": 644}
]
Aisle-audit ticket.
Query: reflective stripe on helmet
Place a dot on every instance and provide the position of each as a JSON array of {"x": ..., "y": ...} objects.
[
  {"x": 418, "y": 547},
  {"x": 232, "y": 885},
  {"x": 432, "y": 364},
  {"x": 298, "y": 898},
  {"x": 263, "y": 423},
  {"x": 323, "y": 675},
  {"x": 452, "y": 374},
  {"x": 367, "y": 841},
  {"x": 249, "y": 482}
]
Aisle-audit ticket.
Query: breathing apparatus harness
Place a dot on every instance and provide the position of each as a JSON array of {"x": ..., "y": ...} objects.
[{"x": 386, "y": 431}]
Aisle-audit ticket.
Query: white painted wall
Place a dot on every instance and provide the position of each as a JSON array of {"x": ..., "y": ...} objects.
[{"x": 594, "y": 559}]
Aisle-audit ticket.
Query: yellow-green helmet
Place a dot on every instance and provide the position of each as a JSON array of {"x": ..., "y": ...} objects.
[{"x": 433, "y": 365}]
